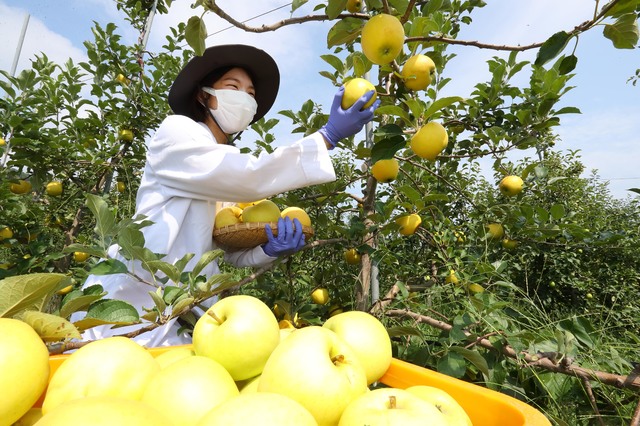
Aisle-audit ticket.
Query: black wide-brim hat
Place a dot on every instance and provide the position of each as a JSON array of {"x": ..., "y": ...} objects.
[{"x": 260, "y": 65}]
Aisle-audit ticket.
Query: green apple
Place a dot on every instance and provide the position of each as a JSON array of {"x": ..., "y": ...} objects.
[
  {"x": 448, "y": 406},
  {"x": 188, "y": 389},
  {"x": 264, "y": 211},
  {"x": 264, "y": 409},
  {"x": 315, "y": 367},
  {"x": 391, "y": 407},
  {"x": 239, "y": 332},
  {"x": 368, "y": 338},
  {"x": 172, "y": 355}
]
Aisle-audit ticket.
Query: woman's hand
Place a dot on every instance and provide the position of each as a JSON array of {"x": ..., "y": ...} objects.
[{"x": 288, "y": 240}]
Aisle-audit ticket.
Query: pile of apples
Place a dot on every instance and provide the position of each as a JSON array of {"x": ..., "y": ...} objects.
[
  {"x": 242, "y": 369},
  {"x": 258, "y": 211}
]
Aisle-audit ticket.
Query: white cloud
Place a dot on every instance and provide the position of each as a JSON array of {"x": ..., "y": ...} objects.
[{"x": 38, "y": 39}]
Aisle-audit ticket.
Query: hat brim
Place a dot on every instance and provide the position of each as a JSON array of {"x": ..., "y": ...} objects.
[{"x": 260, "y": 65}]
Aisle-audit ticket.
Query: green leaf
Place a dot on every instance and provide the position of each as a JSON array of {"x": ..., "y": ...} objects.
[
  {"x": 78, "y": 302},
  {"x": 29, "y": 292},
  {"x": 105, "y": 220},
  {"x": 395, "y": 111},
  {"x": 622, "y": 7},
  {"x": 360, "y": 64},
  {"x": 171, "y": 293},
  {"x": 552, "y": 47},
  {"x": 624, "y": 32},
  {"x": 568, "y": 110},
  {"x": 474, "y": 357},
  {"x": 334, "y": 61},
  {"x": 344, "y": 31},
  {"x": 399, "y": 331},
  {"x": 636, "y": 190},
  {"x": 387, "y": 148},
  {"x": 168, "y": 269},
  {"x": 109, "y": 311},
  {"x": 581, "y": 328},
  {"x": 439, "y": 104},
  {"x": 296, "y": 4},
  {"x": 195, "y": 33},
  {"x": 109, "y": 267},
  {"x": 50, "y": 328},
  {"x": 181, "y": 305},
  {"x": 452, "y": 364},
  {"x": 557, "y": 211},
  {"x": 158, "y": 300},
  {"x": 568, "y": 64},
  {"x": 205, "y": 260},
  {"x": 335, "y": 8}
]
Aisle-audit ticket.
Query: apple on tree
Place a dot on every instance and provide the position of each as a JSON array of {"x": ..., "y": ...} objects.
[
  {"x": 354, "y": 89},
  {"x": 382, "y": 38}
]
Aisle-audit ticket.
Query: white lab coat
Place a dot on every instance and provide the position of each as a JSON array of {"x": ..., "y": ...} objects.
[{"x": 186, "y": 175}]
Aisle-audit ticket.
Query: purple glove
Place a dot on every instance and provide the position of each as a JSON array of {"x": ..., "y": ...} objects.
[
  {"x": 344, "y": 123},
  {"x": 288, "y": 241}
]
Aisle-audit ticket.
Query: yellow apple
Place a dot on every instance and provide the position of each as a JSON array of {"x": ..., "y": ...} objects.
[
  {"x": 511, "y": 185},
  {"x": 54, "y": 188},
  {"x": 264, "y": 211},
  {"x": 318, "y": 369},
  {"x": 351, "y": 256},
  {"x": 452, "y": 278},
  {"x": 125, "y": 135},
  {"x": 6, "y": 233},
  {"x": 120, "y": 78},
  {"x": 227, "y": 216},
  {"x": 188, "y": 389},
  {"x": 22, "y": 187},
  {"x": 121, "y": 186},
  {"x": 385, "y": 170},
  {"x": 80, "y": 256},
  {"x": 495, "y": 231},
  {"x": 29, "y": 418},
  {"x": 167, "y": 358},
  {"x": 391, "y": 407},
  {"x": 354, "y": 6},
  {"x": 239, "y": 332},
  {"x": 368, "y": 338},
  {"x": 297, "y": 213},
  {"x": 475, "y": 288},
  {"x": 448, "y": 406},
  {"x": 509, "y": 244},
  {"x": 409, "y": 223},
  {"x": 430, "y": 140},
  {"x": 24, "y": 367},
  {"x": 418, "y": 72},
  {"x": 354, "y": 89},
  {"x": 2, "y": 142},
  {"x": 335, "y": 310},
  {"x": 113, "y": 366},
  {"x": 250, "y": 203},
  {"x": 382, "y": 38},
  {"x": 264, "y": 409},
  {"x": 320, "y": 296},
  {"x": 104, "y": 411}
]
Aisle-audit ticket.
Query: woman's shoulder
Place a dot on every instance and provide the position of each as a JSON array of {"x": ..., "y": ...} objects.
[{"x": 182, "y": 126}]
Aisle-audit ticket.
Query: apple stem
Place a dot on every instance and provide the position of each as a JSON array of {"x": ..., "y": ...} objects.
[
  {"x": 214, "y": 316},
  {"x": 338, "y": 359},
  {"x": 392, "y": 402}
]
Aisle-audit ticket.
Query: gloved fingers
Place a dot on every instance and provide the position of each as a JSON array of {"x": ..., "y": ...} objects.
[
  {"x": 302, "y": 242},
  {"x": 288, "y": 230},
  {"x": 337, "y": 99},
  {"x": 297, "y": 233},
  {"x": 357, "y": 105},
  {"x": 269, "y": 232}
]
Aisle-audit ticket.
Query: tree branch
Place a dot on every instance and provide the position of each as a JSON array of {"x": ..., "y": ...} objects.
[{"x": 632, "y": 381}]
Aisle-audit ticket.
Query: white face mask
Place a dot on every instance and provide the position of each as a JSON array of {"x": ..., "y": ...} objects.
[{"x": 235, "y": 109}]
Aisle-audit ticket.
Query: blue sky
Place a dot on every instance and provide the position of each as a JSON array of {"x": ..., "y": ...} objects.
[{"x": 607, "y": 133}]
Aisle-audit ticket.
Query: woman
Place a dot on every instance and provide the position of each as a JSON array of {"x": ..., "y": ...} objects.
[{"x": 192, "y": 167}]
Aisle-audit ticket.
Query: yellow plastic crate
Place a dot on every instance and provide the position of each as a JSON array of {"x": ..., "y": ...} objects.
[{"x": 485, "y": 407}]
